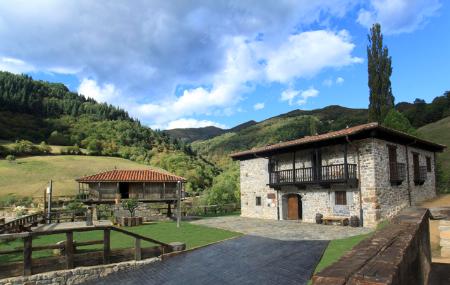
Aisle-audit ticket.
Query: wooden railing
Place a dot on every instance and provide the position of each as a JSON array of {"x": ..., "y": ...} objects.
[
  {"x": 71, "y": 258},
  {"x": 65, "y": 216},
  {"x": 309, "y": 175},
  {"x": 21, "y": 224},
  {"x": 397, "y": 172}
]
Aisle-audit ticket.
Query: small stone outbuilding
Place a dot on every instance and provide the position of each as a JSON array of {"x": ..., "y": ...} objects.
[{"x": 368, "y": 171}]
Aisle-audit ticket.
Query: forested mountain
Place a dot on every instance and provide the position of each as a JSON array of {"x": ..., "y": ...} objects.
[
  {"x": 42, "y": 111},
  {"x": 194, "y": 134}
]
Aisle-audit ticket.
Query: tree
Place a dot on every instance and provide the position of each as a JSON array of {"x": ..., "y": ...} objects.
[
  {"x": 398, "y": 121},
  {"x": 379, "y": 70},
  {"x": 131, "y": 205}
]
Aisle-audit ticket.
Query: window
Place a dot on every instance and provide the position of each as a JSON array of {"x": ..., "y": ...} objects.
[
  {"x": 340, "y": 197},
  {"x": 393, "y": 162},
  {"x": 428, "y": 164},
  {"x": 258, "y": 200}
]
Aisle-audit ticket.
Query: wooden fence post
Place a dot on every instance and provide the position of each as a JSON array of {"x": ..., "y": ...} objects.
[
  {"x": 27, "y": 255},
  {"x": 137, "y": 249},
  {"x": 69, "y": 250},
  {"x": 106, "y": 245}
]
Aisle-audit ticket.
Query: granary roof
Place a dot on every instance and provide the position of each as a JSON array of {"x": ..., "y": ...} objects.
[
  {"x": 341, "y": 136},
  {"x": 147, "y": 175}
]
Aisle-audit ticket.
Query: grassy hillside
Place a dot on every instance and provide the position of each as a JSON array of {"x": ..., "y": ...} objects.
[
  {"x": 29, "y": 176},
  {"x": 440, "y": 132}
]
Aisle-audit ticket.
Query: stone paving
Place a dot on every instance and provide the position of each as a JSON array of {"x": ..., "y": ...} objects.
[
  {"x": 282, "y": 230},
  {"x": 243, "y": 260}
]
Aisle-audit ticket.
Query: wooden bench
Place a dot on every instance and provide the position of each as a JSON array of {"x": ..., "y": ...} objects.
[{"x": 331, "y": 220}]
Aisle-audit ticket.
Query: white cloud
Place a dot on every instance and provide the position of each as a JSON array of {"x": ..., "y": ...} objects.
[
  {"x": 398, "y": 16},
  {"x": 258, "y": 106},
  {"x": 15, "y": 65},
  {"x": 140, "y": 54},
  {"x": 192, "y": 123},
  {"x": 298, "y": 97},
  {"x": 339, "y": 80},
  {"x": 304, "y": 55},
  {"x": 328, "y": 82},
  {"x": 104, "y": 93}
]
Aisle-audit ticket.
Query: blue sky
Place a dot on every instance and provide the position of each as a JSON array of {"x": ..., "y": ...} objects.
[{"x": 198, "y": 63}]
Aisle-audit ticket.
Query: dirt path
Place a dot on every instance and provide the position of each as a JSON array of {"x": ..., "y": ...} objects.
[{"x": 440, "y": 201}]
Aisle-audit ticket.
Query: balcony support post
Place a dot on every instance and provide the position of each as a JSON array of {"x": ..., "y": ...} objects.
[
  {"x": 293, "y": 167},
  {"x": 345, "y": 162}
]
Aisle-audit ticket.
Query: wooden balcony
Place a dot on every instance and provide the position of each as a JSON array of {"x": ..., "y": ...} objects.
[
  {"x": 397, "y": 173},
  {"x": 324, "y": 175}
]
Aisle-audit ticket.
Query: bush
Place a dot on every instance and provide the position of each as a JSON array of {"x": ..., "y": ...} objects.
[
  {"x": 44, "y": 148},
  {"x": 94, "y": 147},
  {"x": 75, "y": 206},
  {"x": 57, "y": 138},
  {"x": 72, "y": 150},
  {"x": 10, "y": 158},
  {"x": 130, "y": 205},
  {"x": 24, "y": 147}
]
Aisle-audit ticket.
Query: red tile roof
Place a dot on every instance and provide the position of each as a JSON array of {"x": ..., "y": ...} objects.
[
  {"x": 132, "y": 176},
  {"x": 333, "y": 135}
]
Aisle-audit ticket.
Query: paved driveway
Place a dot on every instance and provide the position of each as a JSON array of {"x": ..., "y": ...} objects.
[
  {"x": 282, "y": 230},
  {"x": 243, "y": 260}
]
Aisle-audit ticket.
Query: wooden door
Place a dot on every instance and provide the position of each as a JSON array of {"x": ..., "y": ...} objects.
[{"x": 293, "y": 207}]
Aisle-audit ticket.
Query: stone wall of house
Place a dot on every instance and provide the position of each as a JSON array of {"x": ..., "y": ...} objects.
[
  {"x": 426, "y": 191},
  {"x": 393, "y": 198},
  {"x": 379, "y": 198},
  {"x": 76, "y": 276},
  {"x": 254, "y": 177}
]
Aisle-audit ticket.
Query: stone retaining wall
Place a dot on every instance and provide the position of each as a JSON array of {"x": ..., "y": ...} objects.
[
  {"x": 77, "y": 275},
  {"x": 397, "y": 254}
]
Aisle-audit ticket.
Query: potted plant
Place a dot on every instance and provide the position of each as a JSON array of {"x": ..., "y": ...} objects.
[{"x": 130, "y": 205}]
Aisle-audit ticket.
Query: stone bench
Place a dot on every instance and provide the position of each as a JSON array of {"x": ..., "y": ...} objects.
[{"x": 331, "y": 220}]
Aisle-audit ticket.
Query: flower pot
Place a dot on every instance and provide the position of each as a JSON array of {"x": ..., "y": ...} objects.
[{"x": 131, "y": 221}]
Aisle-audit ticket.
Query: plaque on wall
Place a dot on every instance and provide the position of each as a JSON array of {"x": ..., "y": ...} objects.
[{"x": 270, "y": 196}]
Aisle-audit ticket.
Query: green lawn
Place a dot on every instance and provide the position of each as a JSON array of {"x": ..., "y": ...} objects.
[
  {"x": 29, "y": 176},
  {"x": 192, "y": 235}
]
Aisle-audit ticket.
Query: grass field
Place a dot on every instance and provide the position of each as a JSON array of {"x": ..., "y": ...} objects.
[
  {"x": 440, "y": 132},
  {"x": 192, "y": 235},
  {"x": 29, "y": 176}
]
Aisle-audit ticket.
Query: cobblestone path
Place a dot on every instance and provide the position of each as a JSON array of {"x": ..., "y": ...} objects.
[{"x": 282, "y": 230}]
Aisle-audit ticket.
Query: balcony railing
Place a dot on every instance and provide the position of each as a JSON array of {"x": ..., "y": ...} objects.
[
  {"x": 397, "y": 172},
  {"x": 420, "y": 175},
  {"x": 325, "y": 174}
]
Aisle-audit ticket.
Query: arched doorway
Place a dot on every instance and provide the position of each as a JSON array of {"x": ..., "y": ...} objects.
[{"x": 293, "y": 207}]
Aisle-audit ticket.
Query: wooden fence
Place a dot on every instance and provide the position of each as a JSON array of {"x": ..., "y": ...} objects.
[
  {"x": 71, "y": 258},
  {"x": 21, "y": 224}
]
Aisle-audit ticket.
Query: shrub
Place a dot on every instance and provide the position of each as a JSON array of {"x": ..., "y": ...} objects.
[
  {"x": 72, "y": 150},
  {"x": 24, "y": 147},
  {"x": 44, "y": 148},
  {"x": 75, "y": 206},
  {"x": 130, "y": 205},
  {"x": 57, "y": 138},
  {"x": 10, "y": 158}
]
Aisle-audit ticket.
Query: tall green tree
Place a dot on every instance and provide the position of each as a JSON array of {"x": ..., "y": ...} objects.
[{"x": 379, "y": 70}]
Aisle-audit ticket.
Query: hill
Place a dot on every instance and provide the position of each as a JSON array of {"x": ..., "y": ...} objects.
[
  {"x": 41, "y": 111},
  {"x": 439, "y": 132},
  {"x": 284, "y": 127},
  {"x": 195, "y": 134},
  {"x": 29, "y": 176}
]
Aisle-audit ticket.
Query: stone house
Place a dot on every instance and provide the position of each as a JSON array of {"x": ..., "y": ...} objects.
[{"x": 368, "y": 171}]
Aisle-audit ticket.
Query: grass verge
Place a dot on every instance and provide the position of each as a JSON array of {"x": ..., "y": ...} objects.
[{"x": 192, "y": 235}]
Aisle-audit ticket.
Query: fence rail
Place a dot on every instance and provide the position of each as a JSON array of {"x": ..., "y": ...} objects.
[
  {"x": 21, "y": 224},
  {"x": 71, "y": 257}
]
